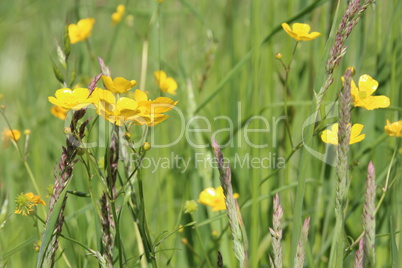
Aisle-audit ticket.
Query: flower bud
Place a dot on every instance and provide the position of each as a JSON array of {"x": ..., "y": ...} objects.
[
  {"x": 146, "y": 146},
  {"x": 278, "y": 55}
]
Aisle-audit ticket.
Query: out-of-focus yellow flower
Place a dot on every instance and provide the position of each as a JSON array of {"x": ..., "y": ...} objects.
[
  {"x": 25, "y": 203},
  {"x": 118, "y": 85},
  {"x": 190, "y": 206},
  {"x": 8, "y": 135},
  {"x": 214, "y": 198},
  {"x": 27, "y": 132},
  {"x": 181, "y": 229},
  {"x": 166, "y": 84},
  {"x": 80, "y": 31},
  {"x": 129, "y": 20},
  {"x": 59, "y": 112},
  {"x": 71, "y": 99},
  {"x": 300, "y": 31},
  {"x": 1, "y": 96},
  {"x": 116, "y": 111},
  {"x": 153, "y": 110},
  {"x": 394, "y": 129},
  {"x": 116, "y": 17},
  {"x": 362, "y": 95},
  {"x": 331, "y": 136}
]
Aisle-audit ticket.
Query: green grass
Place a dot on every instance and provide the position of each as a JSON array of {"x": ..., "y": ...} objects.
[{"x": 232, "y": 44}]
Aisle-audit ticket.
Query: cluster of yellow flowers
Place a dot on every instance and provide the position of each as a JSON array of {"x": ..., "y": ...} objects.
[
  {"x": 118, "y": 15},
  {"x": 139, "y": 110},
  {"x": 25, "y": 203},
  {"x": 362, "y": 96}
]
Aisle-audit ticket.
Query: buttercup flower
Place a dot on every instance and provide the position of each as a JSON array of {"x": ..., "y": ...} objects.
[
  {"x": 25, "y": 203},
  {"x": 116, "y": 111},
  {"x": 59, "y": 112},
  {"x": 116, "y": 17},
  {"x": 153, "y": 110},
  {"x": 331, "y": 136},
  {"x": 118, "y": 85},
  {"x": 71, "y": 99},
  {"x": 8, "y": 135},
  {"x": 80, "y": 31},
  {"x": 166, "y": 84},
  {"x": 214, "y": 198},
  {"x": 394, "y": 129},
  {"x": 300, "y": 31},
  {"x": 362, "y": 95}
]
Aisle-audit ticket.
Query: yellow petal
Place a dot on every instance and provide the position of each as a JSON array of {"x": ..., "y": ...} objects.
[
  {"x": 140, "y": 95},
  {"x": 289, "y": 31},
  {"x": 310, "y": 36},
  {"x": 355, "y": 133},
  {"x": 108, "y": 83},
  {"x": 301, "y": 28},
  {"x": 367, "y": 84},
  {"x": 330, "y": 137}
]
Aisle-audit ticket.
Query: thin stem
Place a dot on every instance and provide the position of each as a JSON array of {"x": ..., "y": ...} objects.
[
  {"x": 202, "y": 244},
  {"x": 285, "y": 98},
  {"x": 31, "y": 176}
]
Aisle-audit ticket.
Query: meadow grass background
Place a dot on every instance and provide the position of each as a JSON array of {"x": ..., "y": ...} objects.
[{"x": 188, "y": 39}]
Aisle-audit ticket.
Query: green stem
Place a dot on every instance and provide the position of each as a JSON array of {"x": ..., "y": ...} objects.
[{"x": 202, "y": 244}]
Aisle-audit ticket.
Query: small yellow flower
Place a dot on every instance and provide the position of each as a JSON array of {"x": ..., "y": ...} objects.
[
  {"x": 80, "y": 31},
  {"x": 118, "y": 85},
  {"x": 8, "y": 135},
  {"x": 214, "y": 198},
  {"x": 331, "y": 136},
  {"x": 394, "y": 129},
  {"x": 116, "y": 17},
  {"x": 25, "y": 203},
  {"x": 300, "y": 31},
  {"x": 181, "y": 229},
  {"x": 71, "y": 99},
  {"x": 190, "y": 206},
  {"x": 166, "y": 84},
  {"x": 116, "y": 111},
  {"x": 27, "y": 132},
  {"x": 153, "y": 110},
  {"x": 362, "y": 95},
  {"x": 59, "y": 112}
]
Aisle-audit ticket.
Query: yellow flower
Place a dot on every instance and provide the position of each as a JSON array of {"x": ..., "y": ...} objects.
[
  {"x": 190, "y": 206},
  {"x": 166, "y": 84},
  {"x": 116, "y": 17},
  {"x": 362, "y": 95},
  {"x": 24, "y": 203},
  {"x": 394, "y": 129},
  {"x": 153, "y": 110},
  {"x": 80, "y": 31},
  {"x": 59, "y": 112},
  {"x": 331, "y": 136},
  {"x": 8, "y": 135},
  {"x": 214, "y": 198},
  {"x": 27, "y": 132},
  {"x": 118, "y": 85},
  {"x": 300, "y": 31},
  {"x": 116, "y": 111},
  {"x": 71, "y": 99}
]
